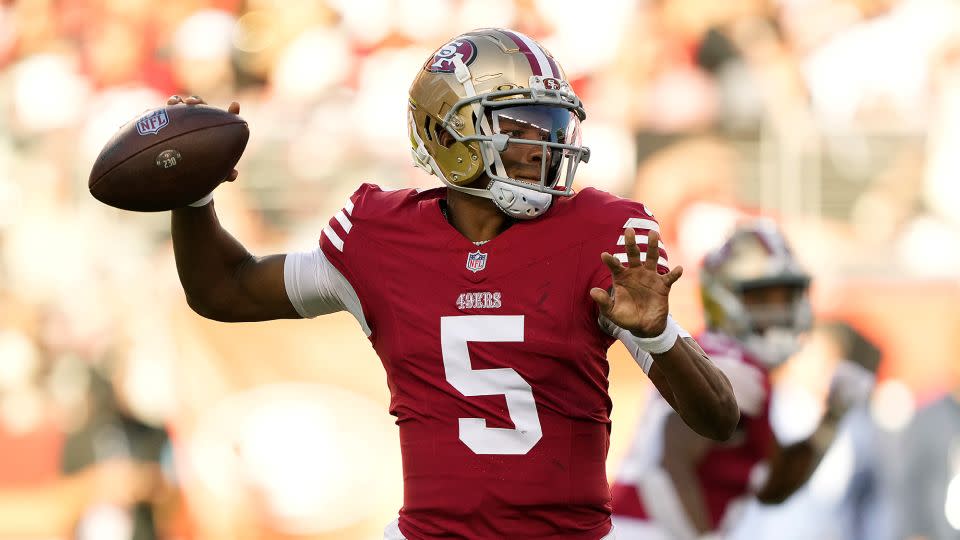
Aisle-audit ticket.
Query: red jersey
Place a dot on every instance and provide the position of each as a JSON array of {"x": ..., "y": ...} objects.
[
  {"x": 724, "y": 472},
  {"x": 495, "y": 360}
]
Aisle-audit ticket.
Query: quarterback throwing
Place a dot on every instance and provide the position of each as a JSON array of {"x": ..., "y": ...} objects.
[{"x": 507, "y": 288}]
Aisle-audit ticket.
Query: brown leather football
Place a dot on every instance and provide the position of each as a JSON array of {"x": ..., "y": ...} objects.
[{"x": 168, "y": 158}]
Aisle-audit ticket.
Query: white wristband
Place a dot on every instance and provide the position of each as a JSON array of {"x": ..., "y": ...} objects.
[
  {"x": 662, "y": 343},
  {"x": 203, "y": 202}
]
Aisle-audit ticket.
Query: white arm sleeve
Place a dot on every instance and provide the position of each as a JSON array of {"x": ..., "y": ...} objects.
[
  {"x": 316, "y": 287},
  {"x": 642, "y": 357}
]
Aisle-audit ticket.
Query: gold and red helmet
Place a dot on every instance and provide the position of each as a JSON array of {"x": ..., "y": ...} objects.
[
  {"x": 756, "y": 256},
  {"x": 478, "y": 87}
]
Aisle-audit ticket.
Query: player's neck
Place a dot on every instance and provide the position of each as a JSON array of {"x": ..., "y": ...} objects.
[{"x": 476, "y": 218}]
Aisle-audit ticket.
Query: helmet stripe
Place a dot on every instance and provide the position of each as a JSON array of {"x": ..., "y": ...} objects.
[
  {"x": 540, "y": 63},
  {"x": 553, "y": 67}
]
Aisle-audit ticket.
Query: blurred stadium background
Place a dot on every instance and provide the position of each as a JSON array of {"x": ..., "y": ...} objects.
[{"x": 839, "y": 118}]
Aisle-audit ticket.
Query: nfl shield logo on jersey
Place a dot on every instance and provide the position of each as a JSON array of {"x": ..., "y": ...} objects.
[{"x": 476, "y": 261}]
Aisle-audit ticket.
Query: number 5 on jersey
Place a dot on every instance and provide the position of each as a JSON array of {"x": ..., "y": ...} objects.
[{"x": 455, "y": 332}]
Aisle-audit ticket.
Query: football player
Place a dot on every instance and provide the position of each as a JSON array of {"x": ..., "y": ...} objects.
[
  {"x": 678, "y": 485},
  {"x": 491, "y": 301}
]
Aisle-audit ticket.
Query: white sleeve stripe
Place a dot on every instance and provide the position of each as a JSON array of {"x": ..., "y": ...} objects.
[
  {"x": 622, "y": 257},
  {"x": 333, "y": 237},
  {"x": 348, "y": 206},
  {"x": 641, "y": 239},
  {"x": 344, "y": 221},
  {"x": 641, "y": 223}
]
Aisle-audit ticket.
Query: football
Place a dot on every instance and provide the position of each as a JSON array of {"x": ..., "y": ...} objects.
[{"x": 168, "y": 158}]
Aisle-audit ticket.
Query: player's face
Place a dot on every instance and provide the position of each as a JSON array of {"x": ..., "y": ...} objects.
[
  {"x": 771, "y": 306},
  {"x": 527, "y": 162}
]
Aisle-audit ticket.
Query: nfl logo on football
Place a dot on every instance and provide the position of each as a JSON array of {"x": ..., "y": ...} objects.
[
  {"x": 152, "y": 122},
  {"x": 476, "y": 261}
]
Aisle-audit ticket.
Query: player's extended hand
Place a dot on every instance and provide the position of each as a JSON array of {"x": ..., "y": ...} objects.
[
  {"x": 234, "y": 108},
  {"x": 639, "y": 300}
]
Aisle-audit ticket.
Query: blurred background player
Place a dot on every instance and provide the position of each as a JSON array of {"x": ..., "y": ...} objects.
[
  {"x": 491, "y": 301},
  {"x": 675, "y": 484},
  {"x": 850, "y": 490}
]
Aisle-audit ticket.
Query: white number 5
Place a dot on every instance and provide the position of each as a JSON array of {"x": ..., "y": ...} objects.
[{"x": 455, "y": 332}]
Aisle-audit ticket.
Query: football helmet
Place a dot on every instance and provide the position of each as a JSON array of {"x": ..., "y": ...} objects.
[
  {"x": 756, "y": 256},
  {"x": 497, "y": 91}
]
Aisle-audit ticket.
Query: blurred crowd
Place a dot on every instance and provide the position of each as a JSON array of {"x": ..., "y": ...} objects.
[{"x": 123, "y": 415}]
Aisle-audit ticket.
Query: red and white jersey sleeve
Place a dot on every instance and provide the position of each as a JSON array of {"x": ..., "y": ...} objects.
[
  {"x": 315, "y": 287},
  {"x": 614, "y": 217},
  {"x": 617, "y": 216},
  {"x": 347, "y": 242},
  {"x": 325, "y": 279}
]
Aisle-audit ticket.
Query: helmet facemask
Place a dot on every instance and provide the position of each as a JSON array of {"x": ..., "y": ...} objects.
[
  {"x": 773, "y": 329},
  {"x": 546, "y": 122},
  {"x": 547, "y": 119}
]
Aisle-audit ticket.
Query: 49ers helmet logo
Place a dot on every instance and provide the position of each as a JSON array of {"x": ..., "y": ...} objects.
[
  {"x": 551, "y": 84},
  {"x": 442, "y": 61}
]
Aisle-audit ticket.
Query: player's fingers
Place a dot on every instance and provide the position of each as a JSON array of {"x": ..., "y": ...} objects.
[
  {"x": 234, "y": 108},
  {"x": 653, "y": 249},
  {"x": 173, "y": 100},
  {"x": 612, "y": 263},
  {"x": 233, "y": 176},
  {"x": 602, "y": 298},
  {"x": 634, "y": 258},
  {"x": 673, "y": 275},
  {"x": 195, "y": 100}
]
